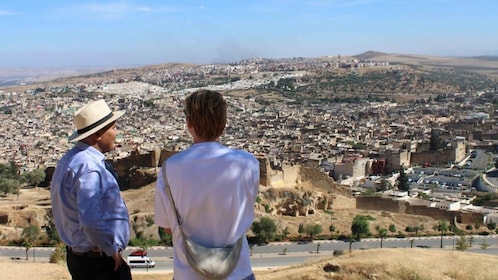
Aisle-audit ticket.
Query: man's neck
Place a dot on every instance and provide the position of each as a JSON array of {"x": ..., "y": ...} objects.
[{"x": 197, "y": 140}]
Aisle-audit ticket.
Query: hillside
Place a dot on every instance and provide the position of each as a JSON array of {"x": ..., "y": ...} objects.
[
  {"x": 486, "y": 65},
  {"x": 400, "y": 264},
  {"x": 334, "y": 79},
  {"x": 34, "y": 204}
]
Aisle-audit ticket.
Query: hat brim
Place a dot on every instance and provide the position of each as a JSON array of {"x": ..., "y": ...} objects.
[{"x": 76, "y": 137}]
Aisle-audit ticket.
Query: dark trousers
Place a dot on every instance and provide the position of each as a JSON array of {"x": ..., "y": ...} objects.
[{"x": 94, "y": 266}]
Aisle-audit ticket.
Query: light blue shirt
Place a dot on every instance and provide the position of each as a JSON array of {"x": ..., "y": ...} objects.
[{"x": 87, "y": 206}]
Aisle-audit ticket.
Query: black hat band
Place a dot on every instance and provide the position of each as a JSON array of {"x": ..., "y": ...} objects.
[{"x": 95, "y": 124}]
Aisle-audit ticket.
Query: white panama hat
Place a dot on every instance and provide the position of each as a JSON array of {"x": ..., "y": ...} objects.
[{"x": 92, "y": 117}]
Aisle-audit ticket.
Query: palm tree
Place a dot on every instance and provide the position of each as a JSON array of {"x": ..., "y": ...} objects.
[
  {"x": 442, "y": 226},
  {"x": 382, "y": 232}
]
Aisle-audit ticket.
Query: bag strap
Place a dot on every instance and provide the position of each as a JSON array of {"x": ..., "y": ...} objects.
[{"x": 168, "y": 191}]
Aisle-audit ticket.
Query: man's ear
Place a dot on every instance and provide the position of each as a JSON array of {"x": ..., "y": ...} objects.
[{"x": 97, "y": 135}]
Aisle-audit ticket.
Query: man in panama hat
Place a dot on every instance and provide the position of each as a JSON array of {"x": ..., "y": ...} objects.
[{"x": 89, "y": 213}]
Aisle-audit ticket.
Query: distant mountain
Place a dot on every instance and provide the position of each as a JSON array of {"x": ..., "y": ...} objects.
[
  {"x": 486, "y": 65},
  {"x": 368, "y": 55},
  {"x": 22, "y": 75},
  {"x": 486, "y": 57}
]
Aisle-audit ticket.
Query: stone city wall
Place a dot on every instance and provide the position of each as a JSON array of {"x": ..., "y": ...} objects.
[
  {"x": 317, "y": 178},
  {"x": 435, "y": 213},
  {"x": 403, "y": 207},
  {"x": 471, "y": 218},
  {"x": 433, "y": 157},
  {"x": 378, "y": 204}
]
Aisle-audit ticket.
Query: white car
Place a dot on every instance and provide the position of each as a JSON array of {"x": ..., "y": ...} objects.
[{"x": 140, "y": 261}]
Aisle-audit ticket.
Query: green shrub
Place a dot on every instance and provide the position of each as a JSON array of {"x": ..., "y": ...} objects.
[
  {"x": 58, "y": 256},
  {"x": 410, "y": 229}
]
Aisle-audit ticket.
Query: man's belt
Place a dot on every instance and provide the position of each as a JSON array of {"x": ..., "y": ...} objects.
[{"x": 93, "y": 253}]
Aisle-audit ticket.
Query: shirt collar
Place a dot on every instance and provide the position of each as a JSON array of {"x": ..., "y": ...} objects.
[{"x": 91, "y": 150}]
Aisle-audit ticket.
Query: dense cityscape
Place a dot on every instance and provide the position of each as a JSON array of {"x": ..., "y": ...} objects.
[
  {"x": 351, "y": 141},
  {"x": 444, "y": 141}
]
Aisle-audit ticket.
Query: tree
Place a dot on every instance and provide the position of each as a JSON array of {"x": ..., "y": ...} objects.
[
  {"x": 332, "y": 230},
  {"x": 351, "y": 240},
  {"x": 51, "y": 231},
  {"x": 491, "y": 225},
  {"x": 13, "y": 170},
  {"x": 34, "y": 177},
  {"x": 442, "y": 226},
  {"x": 384, "y": 185},
  {"x": 300, "y": 229},
  {"x": 145, "y": 243},
  {"x": 435, "y": 143},
  {"x": 285, "y": 233},
  {"x": 264, "y": 229},
  {"x": 403, "y": 180},
  {"x": 28, "y": 236},
  {"x": 382, "y": 233},
  {"x": 417, "y": 229},
  {"x": 166, "y": 238},
  {"x": 10, "y": 181},
  {"x": 359, "y": 227},
  {"x": 9, "y": 185},
  {"x": 312, "y": 230},
  {"x": 392, "y": 228}
]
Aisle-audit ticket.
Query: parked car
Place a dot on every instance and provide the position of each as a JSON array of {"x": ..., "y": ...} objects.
[{"x": 139, "y": 252}]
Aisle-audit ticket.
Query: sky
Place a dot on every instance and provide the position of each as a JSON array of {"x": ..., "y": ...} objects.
[{"x": 79, "y": 34}]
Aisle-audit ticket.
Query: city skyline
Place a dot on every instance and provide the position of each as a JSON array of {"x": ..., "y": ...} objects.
[{"x": 83, "y": 34}]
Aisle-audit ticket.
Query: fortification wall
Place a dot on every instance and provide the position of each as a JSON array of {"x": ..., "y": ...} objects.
[
  {"x": 436, "y": 157},
  {"x": 378, "y": 203},
  {"x": 435, "y": 213},
  {"x": 471, "y": 218},
  {"x": 403, "y": 207},
  {"x": 317, "y": 178}
]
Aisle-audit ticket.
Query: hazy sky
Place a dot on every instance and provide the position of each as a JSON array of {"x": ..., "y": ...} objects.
[{"x": 74, "y": 33}]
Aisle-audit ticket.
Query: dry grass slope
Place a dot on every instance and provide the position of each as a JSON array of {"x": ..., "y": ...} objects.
[{"x": 400, "y": 264}]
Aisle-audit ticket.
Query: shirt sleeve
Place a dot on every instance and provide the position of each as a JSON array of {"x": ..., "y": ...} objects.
[
  {"x": 161, "y": 204},
  {"x": 255, "y": 177},
  {"x": 89, "y": 200}
]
